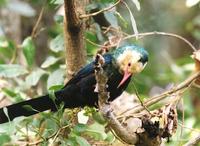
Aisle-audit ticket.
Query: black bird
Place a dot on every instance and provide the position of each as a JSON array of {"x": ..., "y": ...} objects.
[{"x": 119, "y": 66}]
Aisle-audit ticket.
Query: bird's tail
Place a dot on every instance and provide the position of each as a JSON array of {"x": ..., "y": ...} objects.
[{"x": 26, "y": 108}]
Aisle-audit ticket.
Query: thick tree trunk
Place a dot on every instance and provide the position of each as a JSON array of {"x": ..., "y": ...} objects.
[{"x": 74, "y": 36}]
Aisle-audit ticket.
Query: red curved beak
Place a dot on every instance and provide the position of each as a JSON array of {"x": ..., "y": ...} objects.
[{"x": 125, "y": 77}]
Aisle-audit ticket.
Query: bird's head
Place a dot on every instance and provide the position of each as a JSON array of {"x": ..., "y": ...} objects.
[{"x": 130, "y": 60}]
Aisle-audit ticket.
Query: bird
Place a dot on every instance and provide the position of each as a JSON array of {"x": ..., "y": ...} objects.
[{"x": 119, "y": 66}]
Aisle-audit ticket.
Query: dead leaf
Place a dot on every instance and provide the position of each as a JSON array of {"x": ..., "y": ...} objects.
[
  {"x": 113, "y": 40},
  {"x": 134, "y": 125}
]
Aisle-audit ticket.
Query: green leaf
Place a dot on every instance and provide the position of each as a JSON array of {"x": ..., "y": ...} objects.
[
  {"x": 56, "y": 87},
  {"x": 49, "y": 61},
  {"x": 17, "y": 96},
  {"x": 29, "y": 108},
  {"x": 91, "y": 49},
  {"x": 110, "y": 137},
  {"x": 96, "y": 130},
  {"x": 3, "y": 2},
  {"x": 9, "y": 92},
  {"x": 33, "y": 78},
  {"x": 111, "y": 18},
  {"x": 51, "y": 126},
  {"x": 59, "y": 19},
  {"x": 57, "y": 44},
  {"x": 4, "y": 138},
  {"x": 52, "y": 95},
  {"x": 196, "y": 20},
  {"x": 71, "y": 141},
  {"x": 82, "y": 141},
  {"x": 79, "y": 128},
  {"x": 99, "y": 34},
  {"x": 108, "y": 1},
  {"x": 91, "y": 6},
  {"x": 29, "y": 50},
  {"x": 121, "y": 19},
  {"x": 196, "y": 34},
  {"x": 99, "y": 118},
  {"x": 58, "y": 2},
  {"x": 7, "y": 48},
  {"x": 56, "y": 78},
  {"x": 12, "y": 70}
]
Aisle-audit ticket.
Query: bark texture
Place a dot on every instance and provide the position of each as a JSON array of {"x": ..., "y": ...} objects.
[{"x": 74, "y": 35}]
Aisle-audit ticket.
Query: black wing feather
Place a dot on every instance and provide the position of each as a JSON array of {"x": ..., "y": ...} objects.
[{"x": 88, "y": 70}]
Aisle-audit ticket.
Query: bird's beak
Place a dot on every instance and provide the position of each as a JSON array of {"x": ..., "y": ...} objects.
[{"x": 127, "y": 74}]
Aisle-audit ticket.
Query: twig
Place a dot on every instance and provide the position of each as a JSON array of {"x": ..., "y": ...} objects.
[
  {"x": 117, "y": 31},
  {"x": 138, "y": 96},
  {"x": 186, "y": 83},
  {"x": 164, "y": 34},
  {"x": 127, "y": 36},
  {"x": 54, "y": 135},
  {"x": 193, "y": 142},
  {"x": 157, "y": 98},
  {"x": 141, "y": 35},
  {"x": 95, "y": 44},
  {"x": 101, "y": 11},
  {"x": 106, "y": 44},
  {"x": 37, "y": 22},
  {"x": 191, "y": 129}
]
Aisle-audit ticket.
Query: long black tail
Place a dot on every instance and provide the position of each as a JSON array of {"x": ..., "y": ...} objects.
[
  {"x": 71, "y": 96},
  {"x": 26, "y": 108}
]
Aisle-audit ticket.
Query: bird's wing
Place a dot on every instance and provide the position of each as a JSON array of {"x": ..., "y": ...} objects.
[{"x": 88, "y": 70}]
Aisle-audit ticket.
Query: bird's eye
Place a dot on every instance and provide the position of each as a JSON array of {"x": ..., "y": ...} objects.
[
  {"x": 140, "y": 60},
  {"x": 129, "y": 64}
]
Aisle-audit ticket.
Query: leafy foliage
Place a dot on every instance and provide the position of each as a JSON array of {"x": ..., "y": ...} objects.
[
  {"x": 49, "y": 61},
  {"x": 4, "y": 139},
  {"x": 36, "y": 79},
  {"x": 29, "y": 50},
  {"x": 55, "y": 78},
  {"x": 12, "y": 70},
  {"x": 7, "y": 49},
  {"x": 33, "y": 78},
  {"x": 57, "y": 44}
]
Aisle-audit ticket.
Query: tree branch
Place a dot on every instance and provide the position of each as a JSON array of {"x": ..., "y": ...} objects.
[
  {"x": 141, "y": 35},
  {"x": 164, "y": 34},
  {"x": 100, "y": 11},
  {"x": 34, "y": 31},
  {"x": 157, "y": 98}
]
